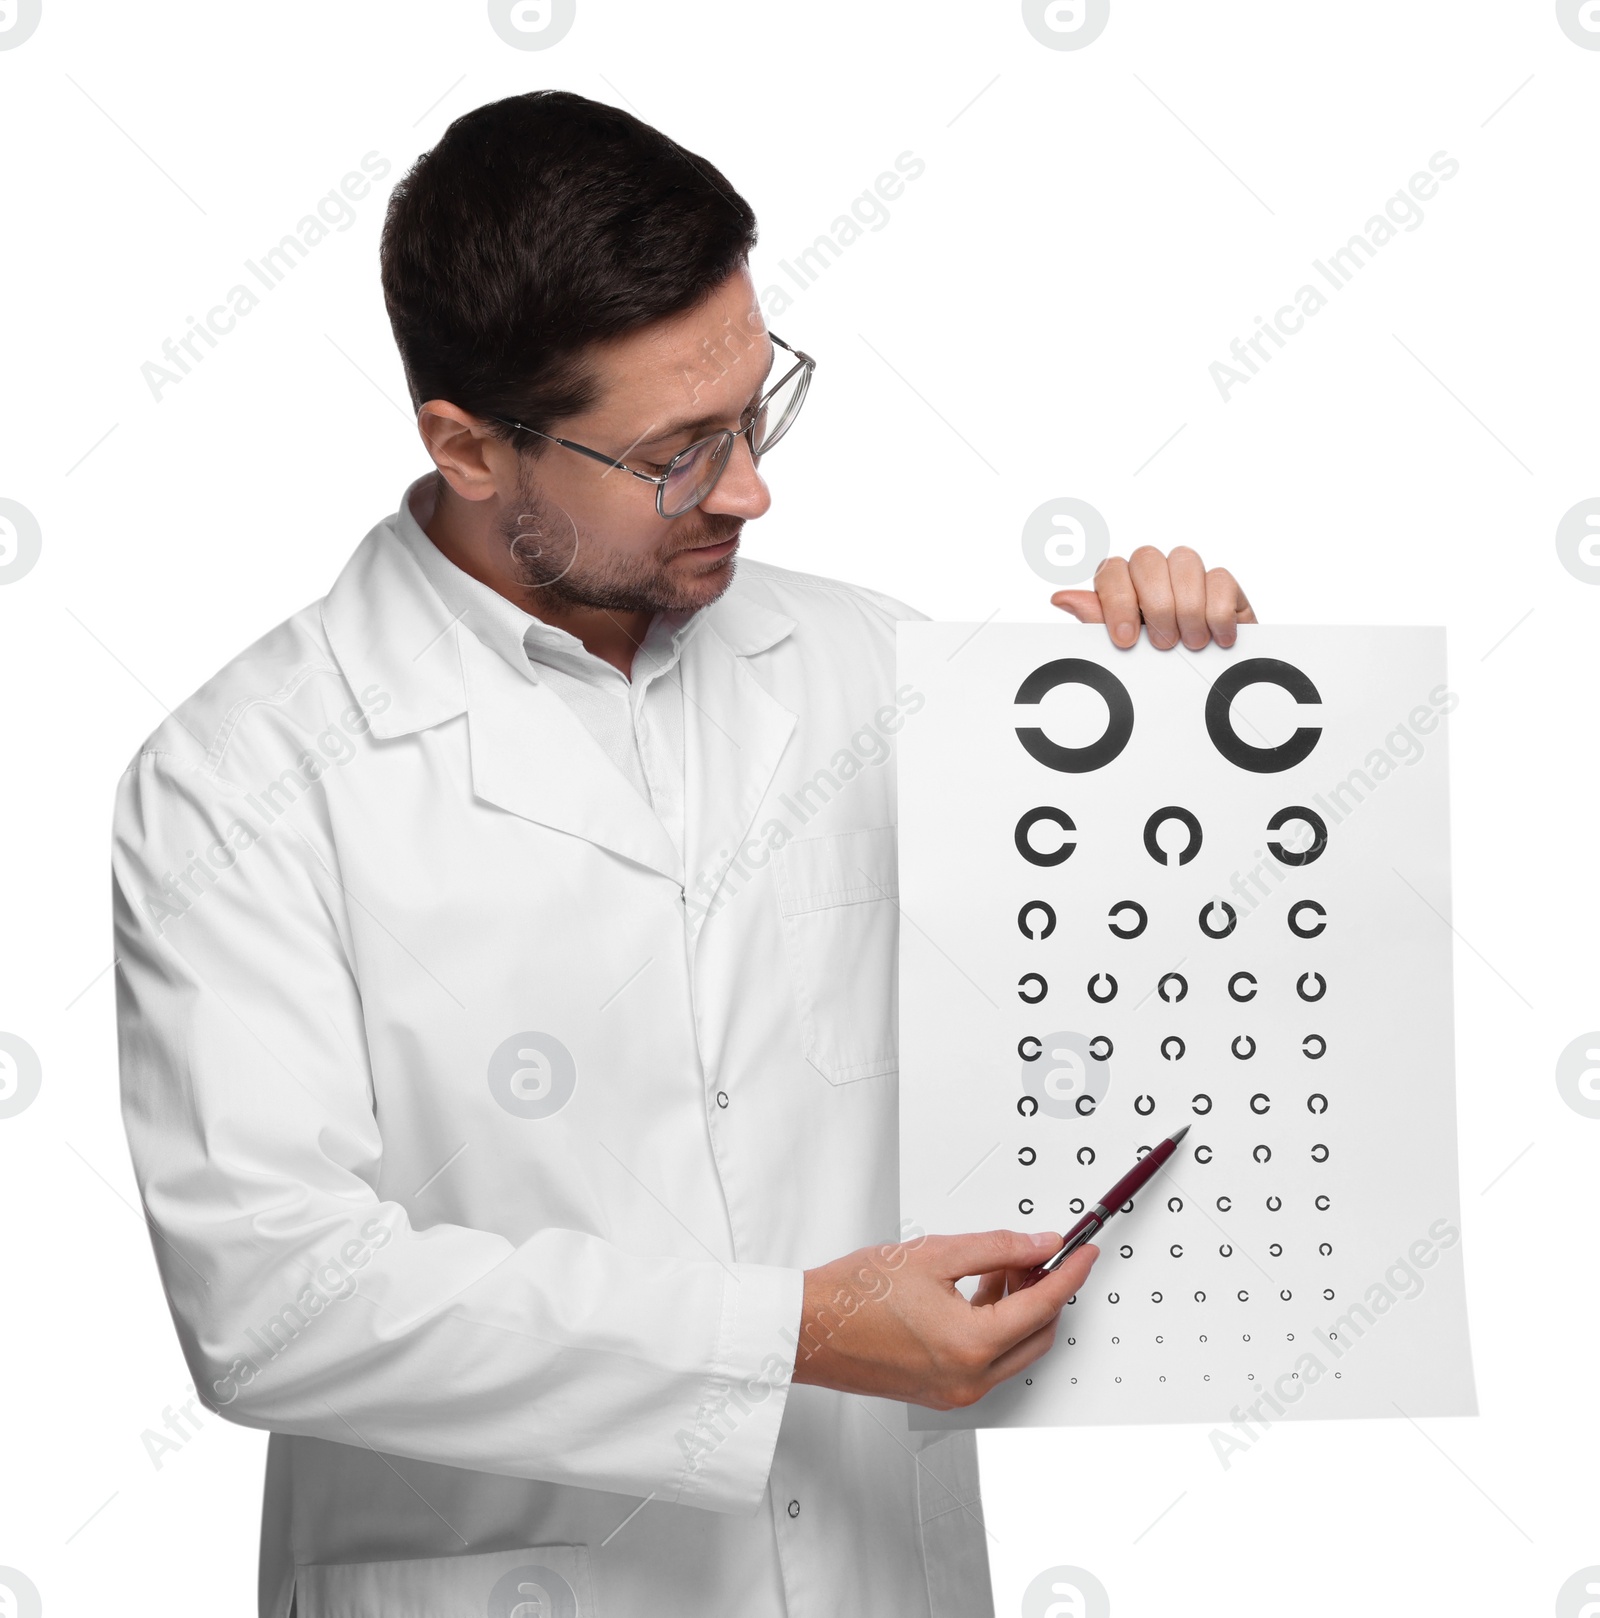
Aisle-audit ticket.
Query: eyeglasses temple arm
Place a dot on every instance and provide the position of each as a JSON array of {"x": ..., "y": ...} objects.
[
  {"x": 583, "y": 449},
  {"x": 605, "y": 460}
]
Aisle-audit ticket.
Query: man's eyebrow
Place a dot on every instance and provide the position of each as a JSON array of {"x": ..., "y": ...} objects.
[{"x": 672, "y": 429}]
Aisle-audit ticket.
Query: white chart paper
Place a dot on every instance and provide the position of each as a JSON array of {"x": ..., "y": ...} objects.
[{"x": 1213, "y": 889}]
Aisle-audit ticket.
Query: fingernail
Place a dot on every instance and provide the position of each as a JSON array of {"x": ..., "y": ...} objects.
[
  {"x": 1124, "y": 634},
  {"x": 1046, "y": 1238}
]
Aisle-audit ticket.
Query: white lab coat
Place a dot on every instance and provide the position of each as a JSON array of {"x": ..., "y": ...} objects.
[{"x": 483, "y": 1157}]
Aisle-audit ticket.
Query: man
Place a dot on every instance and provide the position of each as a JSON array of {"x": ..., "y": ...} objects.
[{"x": 506, "y": 959}]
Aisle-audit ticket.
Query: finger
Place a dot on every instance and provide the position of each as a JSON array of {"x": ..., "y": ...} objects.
[
  {"x": 1023, "y": 1313},
  {"x": 991, "y": 1288},
  {"x": 1119, "y": 601},
  {"x": 1226, "y": 606},
  {"x": 978, "y": 1252},
  {"x": 1084, "y": 605},
  {"x": 1148, "y": 569},
  {"x": 1189, "y": 596}
]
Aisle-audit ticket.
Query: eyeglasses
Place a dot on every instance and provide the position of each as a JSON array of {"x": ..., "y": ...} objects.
[{"x": 692, "y": 473}]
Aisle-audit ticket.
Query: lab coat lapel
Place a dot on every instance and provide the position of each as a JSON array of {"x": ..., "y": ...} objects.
[
  {"x": 735, "y": 734},
  {"x": 532, "y": 755},
  {"x": 414, "y": 667}
]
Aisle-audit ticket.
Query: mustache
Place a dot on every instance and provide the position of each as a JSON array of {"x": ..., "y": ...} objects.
[{"x": 713, "y": 530}]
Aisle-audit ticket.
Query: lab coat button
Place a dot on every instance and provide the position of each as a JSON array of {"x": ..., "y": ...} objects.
[
  {"x": 722, "y": 1098},
  {"x": 794, "y": 1508}
]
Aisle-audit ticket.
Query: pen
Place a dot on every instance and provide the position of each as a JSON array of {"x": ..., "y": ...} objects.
[{"x": 1134, "y": 1180}]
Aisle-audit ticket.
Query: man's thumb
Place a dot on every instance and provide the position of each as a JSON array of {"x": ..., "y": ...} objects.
[{"x": 1084, "y": 605}]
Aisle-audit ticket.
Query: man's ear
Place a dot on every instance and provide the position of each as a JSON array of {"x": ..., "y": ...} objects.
[{"x": 473, "y": 461}]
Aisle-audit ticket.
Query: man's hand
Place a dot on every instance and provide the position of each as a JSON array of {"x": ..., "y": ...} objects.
[
  {"x": 890, "y": 1321},
  {"x": 1174, "y": 595}
]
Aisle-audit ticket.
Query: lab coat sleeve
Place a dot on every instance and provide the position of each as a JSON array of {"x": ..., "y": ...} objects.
[{"x": 306, "y": 1304}]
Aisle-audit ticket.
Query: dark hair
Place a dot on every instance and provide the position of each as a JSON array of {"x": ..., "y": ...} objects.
[{"x": 537, "y": 226}]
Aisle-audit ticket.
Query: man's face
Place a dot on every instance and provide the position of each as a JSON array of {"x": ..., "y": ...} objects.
[{"x": 581, "y": 534}]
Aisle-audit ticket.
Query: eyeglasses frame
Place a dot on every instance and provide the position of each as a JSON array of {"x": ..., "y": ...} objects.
[{"x": 804, "y": 362}]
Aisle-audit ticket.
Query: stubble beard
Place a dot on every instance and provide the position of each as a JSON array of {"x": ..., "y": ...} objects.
[{"x": 564, "y": 567}]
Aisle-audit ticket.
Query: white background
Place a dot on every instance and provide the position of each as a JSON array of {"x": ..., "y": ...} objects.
[{"x": 1037, "y": 319}]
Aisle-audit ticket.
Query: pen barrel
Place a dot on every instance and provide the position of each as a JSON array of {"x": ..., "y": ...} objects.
[
  {"x": 1090, "y": 1219},
  {"x": 1137, "y": 1177}
]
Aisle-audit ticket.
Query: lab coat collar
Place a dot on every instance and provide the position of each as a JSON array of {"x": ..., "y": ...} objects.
[
  {"x": 498, "y": 622},
  {"x": 393, "y": 636},
  {"x": 744, "y": 626}
]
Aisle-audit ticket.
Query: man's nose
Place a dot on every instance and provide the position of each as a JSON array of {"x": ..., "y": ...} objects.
[{"x": 741, "y": 491}]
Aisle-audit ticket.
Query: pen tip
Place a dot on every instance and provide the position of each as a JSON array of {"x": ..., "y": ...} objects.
[{"x": 1179, "y": 1136}]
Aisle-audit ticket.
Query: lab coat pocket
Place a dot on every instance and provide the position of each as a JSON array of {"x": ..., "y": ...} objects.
[
  {"x": 838, "y": 897},
  {"x": 538, "y": 1581}
]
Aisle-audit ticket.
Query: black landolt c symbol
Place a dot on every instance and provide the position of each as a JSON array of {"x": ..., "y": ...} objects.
[
  {"x": 1119, "y": 721},
  {"x": 1219, "y": 720}
]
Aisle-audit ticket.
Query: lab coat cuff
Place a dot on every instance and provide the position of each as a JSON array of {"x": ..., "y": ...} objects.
[{"x": 729, "y": 1453}]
